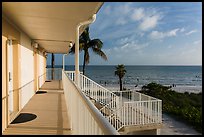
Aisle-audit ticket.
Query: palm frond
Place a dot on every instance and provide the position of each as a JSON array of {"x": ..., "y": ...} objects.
[
  {"x": 100, "y": 53},
  {"x": 120, "y": 71},
  {"x": 96, "y": 43}
]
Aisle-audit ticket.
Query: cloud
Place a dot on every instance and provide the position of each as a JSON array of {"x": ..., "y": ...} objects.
[
  {"x": 149, "y": 22},
  {"x": 190, "y": 32},
  {"x": 129, "y": 47},
  {"x": 121, "y": 21},
  {"x": 126, "y": 53},
  {"x": 182, "y": 30},
  {"x": 121, "y": 10},
  {"x": 123, "y": 40},
  {"x": 133, "y": 46},
  {"x": 124, "y": 9},
  {"x": 197, "y": 42},
  {"x": 147, "y": 18},
  {"x": 138, "y": 14},
  {"x": 144, "y": 18},
  {"x": 161, "y": 35}
]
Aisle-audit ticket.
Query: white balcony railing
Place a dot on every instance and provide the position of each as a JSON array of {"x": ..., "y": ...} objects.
[
  {"x": 138, "y": 109},
  {"x": 85, "y": 118},
  {"x": 124, "y": 108}
]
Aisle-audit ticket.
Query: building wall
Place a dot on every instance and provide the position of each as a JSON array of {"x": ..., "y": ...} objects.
[
  {"x": 24, "y": 72},
  {"x": 27, "y": 71},
  {"x": 16, "y": 74},
  {"x": 4, "y": 85},
  {"x": 41, "y": 71}
]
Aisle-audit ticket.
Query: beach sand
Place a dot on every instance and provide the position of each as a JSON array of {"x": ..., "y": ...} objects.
[{"x": 174, "y": 127}]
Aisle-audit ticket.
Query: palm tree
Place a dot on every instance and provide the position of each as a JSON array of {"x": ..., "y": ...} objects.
[
  {"x": 85, "y": 43},
  {"x": 120, "y": 72}
]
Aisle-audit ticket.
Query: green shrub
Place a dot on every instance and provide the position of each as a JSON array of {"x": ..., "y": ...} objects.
[{"x": 184, "y": 106}]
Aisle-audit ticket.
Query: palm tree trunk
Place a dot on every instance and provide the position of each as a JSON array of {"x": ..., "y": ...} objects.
[
  {"x": 120, "y": 84},
  {"x": 84, "y": 63},
  {"x": 53, "y": 62}
]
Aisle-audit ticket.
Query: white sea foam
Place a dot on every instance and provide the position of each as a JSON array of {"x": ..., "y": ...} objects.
[{"x": 190, "y": 89}]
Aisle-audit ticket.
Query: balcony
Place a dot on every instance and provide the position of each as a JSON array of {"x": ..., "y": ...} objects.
[{"x": 49, "y": 112}]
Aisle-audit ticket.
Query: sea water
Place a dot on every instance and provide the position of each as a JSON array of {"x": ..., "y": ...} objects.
[{"x": 184, "y": 78}]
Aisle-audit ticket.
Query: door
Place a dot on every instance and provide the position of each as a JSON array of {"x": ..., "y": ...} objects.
[{"x": 10, "y": 76}]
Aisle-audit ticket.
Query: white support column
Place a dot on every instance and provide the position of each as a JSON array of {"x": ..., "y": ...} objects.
[
  {"x": 63, "y": 62},
  {"x": 158, "y": 131},
  {"x": 77, "y": 73},
  {"x": 77, "y": 56}
]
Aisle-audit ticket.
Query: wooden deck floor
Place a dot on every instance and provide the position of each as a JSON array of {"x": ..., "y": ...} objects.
[{"x": 47, "y": 114}]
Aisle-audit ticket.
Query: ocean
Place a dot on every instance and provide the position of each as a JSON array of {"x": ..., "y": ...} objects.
[{"x": 186, "y": 78}]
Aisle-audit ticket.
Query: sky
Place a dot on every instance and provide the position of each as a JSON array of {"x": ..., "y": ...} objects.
[{"x": 146, "y": 33}]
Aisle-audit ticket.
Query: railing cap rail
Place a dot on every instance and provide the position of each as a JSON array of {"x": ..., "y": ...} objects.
[{"x": 126, "y": 102}]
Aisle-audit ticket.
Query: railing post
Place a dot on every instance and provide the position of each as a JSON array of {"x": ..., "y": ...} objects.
[
  {"x": 91, "y": 89},
  {"x": 158, "y": 112},
  {"x": 139, "y": 96}
]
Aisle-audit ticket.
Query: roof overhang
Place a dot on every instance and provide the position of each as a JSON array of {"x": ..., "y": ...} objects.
[{"x": 51, "y": 24}]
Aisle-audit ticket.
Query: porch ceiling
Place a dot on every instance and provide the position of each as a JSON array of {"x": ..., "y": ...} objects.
[{"x": 51, "y": 24}]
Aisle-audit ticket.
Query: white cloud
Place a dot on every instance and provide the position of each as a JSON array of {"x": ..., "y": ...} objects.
[
  {"x": 149, "y": 22},
  {"x": 161, "y": 35},
  {"x": 182, "y": 30},
  {"x": 190, "y": 32},
  {"x": 197, "y": 42},
  {"x": 138, "y": 14},
  {"x": 125, "y": 53},
  {"x": 148, "y": 18},
  {"x": 121, "y": 21},
  {"x": 124, "y": 9},
  {"x": 145, "y": 18},
  {"x": 123, "y": 40},
  {"x": 119, "y": 14},
  {"x": 130, "y": 47},
  {"x": 172, "y": 32},
  {"x": 133, "y": 46}
]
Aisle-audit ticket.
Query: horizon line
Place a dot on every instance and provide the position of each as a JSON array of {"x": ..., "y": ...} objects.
[{"x": 133, "y": 65}]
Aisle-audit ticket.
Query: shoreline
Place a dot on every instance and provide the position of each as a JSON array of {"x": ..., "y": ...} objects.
[{"x": 180, "y": 89}]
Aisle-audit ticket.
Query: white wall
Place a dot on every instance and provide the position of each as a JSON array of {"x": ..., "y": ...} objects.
[{"x": 27, "y": 70}]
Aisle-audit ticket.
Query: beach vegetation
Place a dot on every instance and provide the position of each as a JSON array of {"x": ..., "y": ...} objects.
[{"x": 186, "y": 107}]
